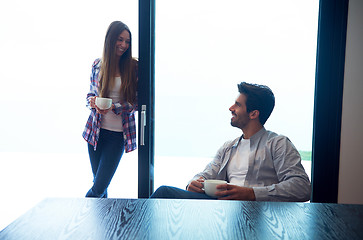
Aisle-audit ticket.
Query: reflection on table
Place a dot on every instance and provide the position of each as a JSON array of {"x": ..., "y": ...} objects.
[{"x": 87, "y": 218}]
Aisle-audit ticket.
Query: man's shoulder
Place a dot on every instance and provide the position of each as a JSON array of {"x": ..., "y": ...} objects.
[
  {"x": 273, "y": 135},
  {"x": 274, "y": 139},
  {"x": 270, "y": 134},
  {"x": 263, "y": 135}
]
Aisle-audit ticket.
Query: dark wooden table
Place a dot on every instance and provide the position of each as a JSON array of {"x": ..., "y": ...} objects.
[{"x": 87, "y": 218}]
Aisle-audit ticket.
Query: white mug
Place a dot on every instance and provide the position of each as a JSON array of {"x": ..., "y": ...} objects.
[
  {"x": 210, "y": 187},
  {"x": 103, "y": 103}
]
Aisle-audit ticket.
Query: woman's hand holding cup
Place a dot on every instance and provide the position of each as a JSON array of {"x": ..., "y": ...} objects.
[
  {"x": 92, "y": 102},
  {"x": 102, "y": 111}
]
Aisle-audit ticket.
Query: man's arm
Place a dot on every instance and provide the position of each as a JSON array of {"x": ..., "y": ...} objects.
[
  {"x": 234, "y": 192},
  {"x": 293, "y": 182},
  {"x": 213, "y": 169},
  {"x": 196, "y": 185}
]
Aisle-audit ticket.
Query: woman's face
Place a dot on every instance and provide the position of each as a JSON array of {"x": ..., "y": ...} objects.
[{"x": 122, "y": 43}]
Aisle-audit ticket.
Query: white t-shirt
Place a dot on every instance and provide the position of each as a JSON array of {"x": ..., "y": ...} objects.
[
  {"x": 110, "y": 120},
  {"x": 238, "y": 165}
]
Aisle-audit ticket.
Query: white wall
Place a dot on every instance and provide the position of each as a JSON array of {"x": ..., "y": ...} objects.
[{"x": 351, "y": 155}]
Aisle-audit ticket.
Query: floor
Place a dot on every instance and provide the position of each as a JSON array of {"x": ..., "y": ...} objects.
[{"x": 28, "y": 178}]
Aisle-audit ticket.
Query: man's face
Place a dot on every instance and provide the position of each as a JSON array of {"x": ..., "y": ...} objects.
[{"x": 240, "y": 117}]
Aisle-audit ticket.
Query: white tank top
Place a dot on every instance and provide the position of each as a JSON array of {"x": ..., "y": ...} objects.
[{"x": 110, "y": 120}]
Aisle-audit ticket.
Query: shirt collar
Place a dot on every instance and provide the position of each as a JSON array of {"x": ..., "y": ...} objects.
[{"x": 253, "y": 138}]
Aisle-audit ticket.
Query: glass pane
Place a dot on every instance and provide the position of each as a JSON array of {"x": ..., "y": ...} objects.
[
  {"x": 47, "y": 49},
  {"x": 203, "y": 49}
]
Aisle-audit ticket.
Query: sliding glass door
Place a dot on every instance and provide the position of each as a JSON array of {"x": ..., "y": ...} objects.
[{"x": 202, "y": 50}]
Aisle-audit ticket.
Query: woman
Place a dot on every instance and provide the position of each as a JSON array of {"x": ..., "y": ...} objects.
[{"x": 109, "y": 132}]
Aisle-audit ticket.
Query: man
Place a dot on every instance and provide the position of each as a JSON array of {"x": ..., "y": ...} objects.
[{"x": 260, "y": 165}]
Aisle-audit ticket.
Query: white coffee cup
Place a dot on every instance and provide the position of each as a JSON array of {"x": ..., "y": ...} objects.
[
  {"x": 103, "y": 103},
  {"x": 210, "y": 187}
]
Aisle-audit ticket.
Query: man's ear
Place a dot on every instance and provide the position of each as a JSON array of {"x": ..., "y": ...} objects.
[{"x": 254, "y": 114}]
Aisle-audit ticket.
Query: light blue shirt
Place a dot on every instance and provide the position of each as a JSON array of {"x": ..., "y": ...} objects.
[{"x": 274, "y": 171}]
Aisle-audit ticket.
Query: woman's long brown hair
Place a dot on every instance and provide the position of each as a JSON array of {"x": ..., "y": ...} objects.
[{"x": 127, "y": 65}]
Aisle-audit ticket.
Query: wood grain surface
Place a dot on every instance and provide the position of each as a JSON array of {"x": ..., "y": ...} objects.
[{"x": 88, "y": 218}]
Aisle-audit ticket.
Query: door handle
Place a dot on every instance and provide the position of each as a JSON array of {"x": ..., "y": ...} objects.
[{"x": 143, "y": 125}]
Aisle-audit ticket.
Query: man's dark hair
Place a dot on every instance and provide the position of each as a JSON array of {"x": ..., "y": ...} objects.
[{"x": 258, "y": 97}]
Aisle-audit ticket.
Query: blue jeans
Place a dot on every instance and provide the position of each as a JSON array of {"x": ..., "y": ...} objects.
[
  {"x": 173, "y": 192},
  {"x": 104, "y": 161}
]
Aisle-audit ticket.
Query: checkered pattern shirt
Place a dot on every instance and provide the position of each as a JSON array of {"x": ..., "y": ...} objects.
[{"x": 92, "y": 130}]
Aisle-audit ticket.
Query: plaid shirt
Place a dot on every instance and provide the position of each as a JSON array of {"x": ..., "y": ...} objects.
[{"x": 92, "y": 130}]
